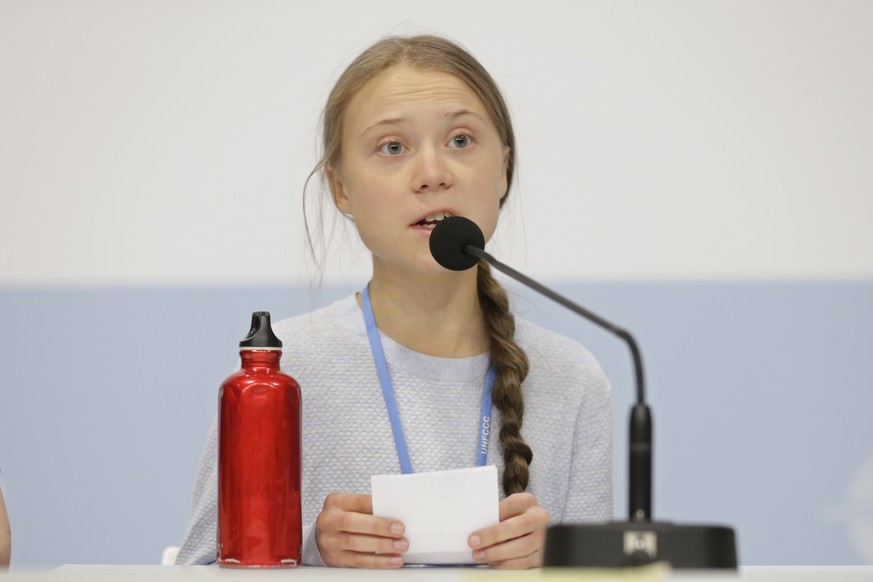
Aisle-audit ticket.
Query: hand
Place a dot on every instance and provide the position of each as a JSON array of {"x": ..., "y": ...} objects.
[
  {"x": 518, "y": 540},
  {"x": 349, "y": 535}
]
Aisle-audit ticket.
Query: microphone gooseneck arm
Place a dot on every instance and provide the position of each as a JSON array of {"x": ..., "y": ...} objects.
[
  {"x": 607, "y": 325},
  {"x": 640, "y": 468}
]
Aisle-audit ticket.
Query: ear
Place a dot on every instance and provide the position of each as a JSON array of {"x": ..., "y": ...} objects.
[
  {"x": 505, "y": 180},
  {"x": 338, "y": 190}
]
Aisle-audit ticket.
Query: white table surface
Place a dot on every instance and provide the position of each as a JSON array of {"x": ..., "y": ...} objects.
[{"x": 76, "y": 572}]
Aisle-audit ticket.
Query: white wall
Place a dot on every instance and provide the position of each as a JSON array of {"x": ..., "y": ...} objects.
[{"x": 146, "y": 142}]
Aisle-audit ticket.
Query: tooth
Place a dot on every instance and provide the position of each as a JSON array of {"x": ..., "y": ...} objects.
[{"x": 429, "y": 218}]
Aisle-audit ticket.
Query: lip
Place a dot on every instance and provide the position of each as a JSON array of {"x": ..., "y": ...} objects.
[{"x": 449, "y": 211}]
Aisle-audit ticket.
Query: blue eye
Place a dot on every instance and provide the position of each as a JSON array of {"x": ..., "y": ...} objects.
[
  {"x": 392, "y": 148},
  {"x": 461, "y": 141}
]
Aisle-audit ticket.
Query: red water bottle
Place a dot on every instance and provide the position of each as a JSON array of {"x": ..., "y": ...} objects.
[{"x": 259, "y": 517}]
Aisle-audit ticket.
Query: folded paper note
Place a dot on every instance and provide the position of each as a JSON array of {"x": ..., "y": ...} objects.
[{"x": 439, "y": 510}]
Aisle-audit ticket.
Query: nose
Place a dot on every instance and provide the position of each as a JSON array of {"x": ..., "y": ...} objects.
[{"x": 432, "y": 172}]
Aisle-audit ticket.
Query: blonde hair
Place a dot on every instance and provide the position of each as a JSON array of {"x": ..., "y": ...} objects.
[{"x": 428, "y": 52}]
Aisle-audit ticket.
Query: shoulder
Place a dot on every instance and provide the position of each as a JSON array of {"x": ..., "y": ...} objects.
[
  {"x": 547, "y": 348},
  {"x": 336, "y": 318},
  {"x": 559, "y": 364},
  {"x": 333, "y": 333}
]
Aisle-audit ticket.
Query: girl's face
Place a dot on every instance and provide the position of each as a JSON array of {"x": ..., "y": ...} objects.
[{"x": 416, "y": 146}]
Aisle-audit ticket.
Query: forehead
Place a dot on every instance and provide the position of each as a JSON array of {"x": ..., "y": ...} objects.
[{"x": 400, "y": 88}]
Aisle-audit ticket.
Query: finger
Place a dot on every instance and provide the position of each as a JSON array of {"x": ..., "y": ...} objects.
[
  {"x": 352, "y": 550},
  {"x": 508, "y": 508},
  {"x": 360, "y": 523},
  {"x": 357, "y": 502},
  {"x": 375, "y": 561},
  {"x": 535, "y": 519},
  {"x": 516, "y": 504},
  {"x": 513, "y": 549},
  {"x": 534, "y": 560},
  {"x": 351, "y": 512},
  {"x": 364, "y": 543}
]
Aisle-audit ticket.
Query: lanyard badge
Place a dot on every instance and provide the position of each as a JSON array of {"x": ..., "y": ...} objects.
[{"x": 391, "y": 402}]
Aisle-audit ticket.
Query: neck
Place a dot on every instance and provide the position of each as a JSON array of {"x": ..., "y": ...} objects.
[{"x": 437, "y": 316}]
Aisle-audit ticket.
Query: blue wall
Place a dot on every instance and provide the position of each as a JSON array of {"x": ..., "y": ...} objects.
[{"x": 761, "y": 394}]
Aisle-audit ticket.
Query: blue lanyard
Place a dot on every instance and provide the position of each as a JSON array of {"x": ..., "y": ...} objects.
[{"x": 391, "y": 403}]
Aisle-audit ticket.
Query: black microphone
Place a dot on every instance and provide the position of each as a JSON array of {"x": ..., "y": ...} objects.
[{"x": 458, "y": 244}]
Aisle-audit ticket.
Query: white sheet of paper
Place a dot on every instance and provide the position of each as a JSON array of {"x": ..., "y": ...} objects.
[{"x": 439, "y": 510}]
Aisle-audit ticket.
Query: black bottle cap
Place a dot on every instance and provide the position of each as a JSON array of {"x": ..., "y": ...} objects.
[{"x": 261, "y": 335}]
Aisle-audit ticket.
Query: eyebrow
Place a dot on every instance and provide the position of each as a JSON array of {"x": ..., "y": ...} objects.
[
  {"x": 383, "y": 123},
  {"x": 388, "y": 121},
  {"x": 464, "y": 112}
]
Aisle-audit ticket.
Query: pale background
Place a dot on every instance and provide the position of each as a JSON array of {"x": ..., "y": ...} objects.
[{"x": 700, "y": 172}]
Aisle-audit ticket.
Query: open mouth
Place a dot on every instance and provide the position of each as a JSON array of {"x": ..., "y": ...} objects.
[{"x": 431, "y": 220}]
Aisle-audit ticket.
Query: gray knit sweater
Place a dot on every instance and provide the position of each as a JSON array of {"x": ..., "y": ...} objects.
[{"x": 347, "y": 435}]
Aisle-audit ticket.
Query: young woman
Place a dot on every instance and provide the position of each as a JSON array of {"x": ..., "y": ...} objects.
[{"x": 416, "y": 130}]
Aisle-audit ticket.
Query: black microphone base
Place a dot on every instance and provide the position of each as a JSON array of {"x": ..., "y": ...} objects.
[{"x": 621, "y": 544}]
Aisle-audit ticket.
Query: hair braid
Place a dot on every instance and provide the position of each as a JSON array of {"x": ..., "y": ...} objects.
[{"x": 512, "y": 367}]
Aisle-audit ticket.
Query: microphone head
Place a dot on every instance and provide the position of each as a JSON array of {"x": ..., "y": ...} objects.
[{"x": 447, "y": 241}]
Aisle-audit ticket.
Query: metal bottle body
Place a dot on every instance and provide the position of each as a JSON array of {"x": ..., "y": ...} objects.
[{"x": 259, "y": 513}]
